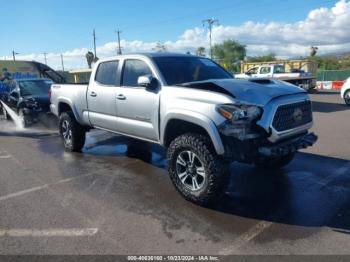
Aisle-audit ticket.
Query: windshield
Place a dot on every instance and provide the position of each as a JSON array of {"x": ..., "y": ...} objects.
[
  {"x": 35, "y": 87},
  {"x": 179, "y": 70}
]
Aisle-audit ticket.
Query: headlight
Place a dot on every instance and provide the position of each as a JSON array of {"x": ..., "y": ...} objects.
[{"x": 239, "y": 112}]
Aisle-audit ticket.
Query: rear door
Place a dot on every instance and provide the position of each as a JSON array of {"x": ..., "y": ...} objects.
[
  {"x": 137, "y": 107},
  {"x": 101, "y": 96},
  {"x": 265, "y": 71}
]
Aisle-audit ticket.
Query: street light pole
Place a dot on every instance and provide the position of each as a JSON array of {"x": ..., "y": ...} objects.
[
  {"x": 210, "y": 22},
  {"x": 119, "y": 47},
  {"x": 45, "y": 58},
  {"x": 14, "y": 55},
  {"x": 94, "y": 35},
  {"x": 62, "y": 62}
]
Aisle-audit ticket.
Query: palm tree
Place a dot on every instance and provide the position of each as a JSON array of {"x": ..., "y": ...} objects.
[
  {"x": 200, "y": 51},
  {"x": 90, "y": 58},
  {"x": 160, "y": 47},
  {"x": 313, "y": 50}
]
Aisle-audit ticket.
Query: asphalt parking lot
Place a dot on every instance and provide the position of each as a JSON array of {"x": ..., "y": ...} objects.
[{"x": 116, "y": 197}]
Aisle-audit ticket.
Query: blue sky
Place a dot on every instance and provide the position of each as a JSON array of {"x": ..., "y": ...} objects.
[
  {"x": 286, "y": 28},
  {"x": 53, "y": 26}
]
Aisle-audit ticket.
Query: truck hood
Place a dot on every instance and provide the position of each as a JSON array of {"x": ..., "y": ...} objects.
[{"x": 257, "y": 91}]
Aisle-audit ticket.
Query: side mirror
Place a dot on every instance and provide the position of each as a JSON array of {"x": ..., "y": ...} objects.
[{"x": 147, "y": 81}]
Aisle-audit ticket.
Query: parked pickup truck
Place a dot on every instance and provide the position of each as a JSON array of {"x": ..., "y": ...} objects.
[
  {"x": 194, "y": 108},
  {"x": 29, "y": 98},
  {"x": 296, "y": 77}
]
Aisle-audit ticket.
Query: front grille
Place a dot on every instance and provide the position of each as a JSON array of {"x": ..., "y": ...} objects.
[{"x": 292, "y": 115}]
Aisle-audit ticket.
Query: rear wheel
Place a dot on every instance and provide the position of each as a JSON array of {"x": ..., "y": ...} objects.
[
  {"x": 195, "y": 169},
  {"x": 347, "y": 97},
  {"x": 72, "y": 133}
]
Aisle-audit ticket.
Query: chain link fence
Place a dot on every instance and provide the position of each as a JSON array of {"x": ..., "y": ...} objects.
[{"x": 333, "y": 75}]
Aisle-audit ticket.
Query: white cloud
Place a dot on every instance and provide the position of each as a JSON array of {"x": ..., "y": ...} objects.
[{"x": 326, "y": 28}]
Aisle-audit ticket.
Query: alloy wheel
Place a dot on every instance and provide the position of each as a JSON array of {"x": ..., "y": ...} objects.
[
  {"x": 190, "y": 170},
  {"x": 67, "y": 132}
]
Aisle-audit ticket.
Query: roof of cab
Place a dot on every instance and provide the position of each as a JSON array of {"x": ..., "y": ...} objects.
[{"x": 149, "y": 55}]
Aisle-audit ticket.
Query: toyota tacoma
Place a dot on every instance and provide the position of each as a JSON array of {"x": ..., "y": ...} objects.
[{"x": 194, "y": 108}]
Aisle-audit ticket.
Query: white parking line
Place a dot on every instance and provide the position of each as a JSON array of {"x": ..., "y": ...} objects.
[
  {"x": 74, "y": 232},
  {"x": 23, "y": 192},
  {"x": 33, "y": 189},
  {"x": 249, "y": 235},
  {"x": 255, "y": 231},
  {"x": 4, "y": 155}
]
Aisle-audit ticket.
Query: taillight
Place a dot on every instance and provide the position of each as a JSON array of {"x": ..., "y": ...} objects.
[{"x": 50, "y": 93}]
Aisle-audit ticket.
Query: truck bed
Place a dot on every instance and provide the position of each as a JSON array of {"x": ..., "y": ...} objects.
[{"x": 68, "y": 93}]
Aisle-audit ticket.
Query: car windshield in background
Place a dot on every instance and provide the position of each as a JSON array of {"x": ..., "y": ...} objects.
[
  {"x": 35, "y": 87},
  {"x": 179, "y": 70}
]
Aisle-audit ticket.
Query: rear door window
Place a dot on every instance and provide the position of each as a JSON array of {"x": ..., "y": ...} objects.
[
  {"x": 265, "y": 70},
  {"x": 107, "y": 73}
]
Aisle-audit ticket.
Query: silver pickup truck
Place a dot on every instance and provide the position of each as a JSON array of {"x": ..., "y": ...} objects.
[{"x": 194, "y": 108}]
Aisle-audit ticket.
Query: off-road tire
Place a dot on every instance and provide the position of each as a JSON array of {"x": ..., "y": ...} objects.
[
  {"x": 216, "y": 169},
  {"x": 78, "y": 132},
  {"x": 347, "y": 98},
  {"x": 275, "y": 163}
]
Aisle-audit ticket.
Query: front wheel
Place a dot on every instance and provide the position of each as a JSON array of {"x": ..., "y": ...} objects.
[
  {"x": 276, "y": 162},
  {"x": 72, "y": 133},
  {"x": 195, "y": 169},
  {"x": 347, "y": 97}
]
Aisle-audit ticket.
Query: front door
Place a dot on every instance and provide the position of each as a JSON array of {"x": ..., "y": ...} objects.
[
  {"x": 137, "y": 107},
  {"x": 101, "y": 96}
]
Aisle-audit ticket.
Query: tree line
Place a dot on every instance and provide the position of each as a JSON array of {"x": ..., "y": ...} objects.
[{"x": 230, "y": 53}]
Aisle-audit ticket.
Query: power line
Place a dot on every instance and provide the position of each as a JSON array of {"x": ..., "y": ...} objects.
[{"x": 236, "y": 7}]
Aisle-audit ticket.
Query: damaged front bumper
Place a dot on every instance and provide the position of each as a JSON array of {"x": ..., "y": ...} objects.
[{"x": 289, "y": 146}]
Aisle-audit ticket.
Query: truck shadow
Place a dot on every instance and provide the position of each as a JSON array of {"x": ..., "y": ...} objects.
[
  {"x": 312, "y": 191},
  {"x": 325, "y": 107}
]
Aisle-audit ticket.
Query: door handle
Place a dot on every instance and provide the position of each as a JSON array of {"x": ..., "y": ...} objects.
[
  {"x": 121, "y": 97},
  {"x": 93, "y": 94}
]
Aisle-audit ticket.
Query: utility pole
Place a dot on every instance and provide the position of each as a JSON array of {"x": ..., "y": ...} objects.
[
  {"x": 45, "y": 58},
  {"x": 210, "y": 22},
  {"x": 62, "y": 63},
  {"x": 118, "y": 32},
  {"x": 94, "y": 35},
  {"x": 14, "y": 55}
]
